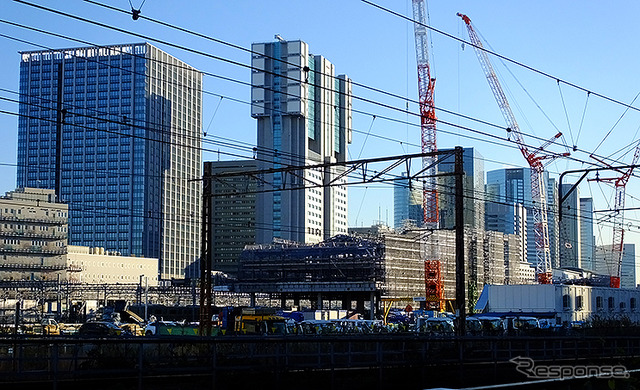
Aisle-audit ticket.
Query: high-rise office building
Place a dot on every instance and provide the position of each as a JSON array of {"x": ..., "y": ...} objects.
[
  {"x": 513, "y": 185},
  {"x": 407, "y": 202},
  {"x": 629, "y": 269},
  {"x": 303, "y": 112},
  {"x": 233, "y": 212},
  {"x": 507, "y": 218},
  {"x": 473, "y": 190},
  {"x": 570, "y": 235},
  {"x": 586, "y": 233},
  {"x": 552, "y": 218},
  {"x": 116, "y": 131}
]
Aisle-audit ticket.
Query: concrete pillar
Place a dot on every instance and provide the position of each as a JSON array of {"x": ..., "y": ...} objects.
[
  {"x": 372, "y": 300},
  {"x": 360, "y": 305}
]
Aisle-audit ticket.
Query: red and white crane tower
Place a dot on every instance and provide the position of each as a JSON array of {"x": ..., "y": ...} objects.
[
  {"x": 428, "y": 119},
  {"x": 614, "y": 261},
  {"x": 434, "y": 285},
  {"x": 535, "y": 160}
]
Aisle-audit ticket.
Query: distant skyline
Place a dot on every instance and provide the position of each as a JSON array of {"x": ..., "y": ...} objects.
[{"x": 582, "y": 43}]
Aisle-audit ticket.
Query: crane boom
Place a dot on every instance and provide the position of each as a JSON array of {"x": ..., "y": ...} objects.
[
  {"x": 426, "y": 85},
  {"x": 617, "y": 247},
  {"x": 538, "y": 190}
]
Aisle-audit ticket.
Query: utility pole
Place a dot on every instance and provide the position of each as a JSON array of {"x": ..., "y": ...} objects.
[
  {"x": 60, "y": 117},
  {"x": 205, "y": 255},
  {"x": 460, "y": 268}
]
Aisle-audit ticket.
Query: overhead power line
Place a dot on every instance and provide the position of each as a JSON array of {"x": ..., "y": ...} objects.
[
  {"x": 505, "y": 58},
  {"x": 181, "y": 47},
  {"x": 444, "y": 122}
]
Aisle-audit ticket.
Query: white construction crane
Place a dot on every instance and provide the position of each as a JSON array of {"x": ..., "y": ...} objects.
[
  {"x": 428, "y": 119},
  {"x": 535, "y": 160},
  {"x": 614, "y": 261}
]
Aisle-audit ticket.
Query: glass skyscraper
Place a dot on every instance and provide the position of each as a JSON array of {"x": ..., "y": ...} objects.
[
  {"x": 586, "y": 233},
  {"x": 473, "y": 193},
  {"x": 570, "y": 229},
  {"x": 116, "y": 131},
  {"x": 513, "y": 185},
  {"x": 407, "y": 202}
]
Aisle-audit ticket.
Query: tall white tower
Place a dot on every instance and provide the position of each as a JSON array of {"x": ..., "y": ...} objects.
[{"x": 303, "y": 112}]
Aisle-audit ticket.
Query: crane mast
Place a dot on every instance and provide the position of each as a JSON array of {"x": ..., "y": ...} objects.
[
  {"x": 538, "y": 191},
  {"x": 617, "y": 247},
  {"x": 428, "y": 119}
]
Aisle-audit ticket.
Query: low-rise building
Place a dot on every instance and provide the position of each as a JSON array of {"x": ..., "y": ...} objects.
[
  {"x": 97, "y": 266},
  {"x": 33, "y": 234},
  {"x": 565, "y": 303}
]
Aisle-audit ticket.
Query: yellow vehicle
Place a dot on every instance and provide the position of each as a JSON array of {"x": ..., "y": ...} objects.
[
  {"x": 133, "y": 329},
  {"x": 48, "y": 327},
  {"x": 258, "y": 324}
]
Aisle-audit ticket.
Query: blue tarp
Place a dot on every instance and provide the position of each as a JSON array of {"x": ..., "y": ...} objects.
[{"x": 483, "y": 299}]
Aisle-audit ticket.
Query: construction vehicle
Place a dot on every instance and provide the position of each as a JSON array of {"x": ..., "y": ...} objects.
[
  {"x": 534, "y": 158},
  {"x": 435, "y": 325},
  {"x": 160, "y": 328}
]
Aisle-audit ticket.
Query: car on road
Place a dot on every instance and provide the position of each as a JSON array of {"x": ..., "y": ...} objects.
[{"x": 99, "y": 329}]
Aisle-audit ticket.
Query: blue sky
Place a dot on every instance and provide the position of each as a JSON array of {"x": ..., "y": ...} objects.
[{"x": 584, "y": 43}]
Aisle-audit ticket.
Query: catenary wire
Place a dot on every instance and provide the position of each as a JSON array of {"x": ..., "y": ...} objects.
[
  {"x": 354, "y": 110},
  {"x": 248, "y": 66},
  {"x": 520, "y": 64}
]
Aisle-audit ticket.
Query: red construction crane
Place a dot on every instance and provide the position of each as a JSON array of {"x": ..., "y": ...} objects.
[
  {"x": 614, "y": 261},
  {"x": 428, "y": 119},
  {"x": 538, "y": 190}
]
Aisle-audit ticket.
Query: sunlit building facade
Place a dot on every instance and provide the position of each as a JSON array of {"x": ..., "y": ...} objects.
[
  {"x": 303, "y": 113},
  {"x": 116, "y": 132}
]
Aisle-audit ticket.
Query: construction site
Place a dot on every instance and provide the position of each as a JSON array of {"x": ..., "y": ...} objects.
[{"x": 379, "y": 266}]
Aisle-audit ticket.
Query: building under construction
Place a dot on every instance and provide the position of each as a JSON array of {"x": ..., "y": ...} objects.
[{"x": 377, "y": 265}]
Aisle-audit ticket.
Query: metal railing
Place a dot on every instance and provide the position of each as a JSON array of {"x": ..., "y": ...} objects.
[{"x": 59, "y": 359}]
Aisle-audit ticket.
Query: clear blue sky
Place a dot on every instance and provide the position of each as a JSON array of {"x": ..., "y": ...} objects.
[{"x": 585, "y": 43}]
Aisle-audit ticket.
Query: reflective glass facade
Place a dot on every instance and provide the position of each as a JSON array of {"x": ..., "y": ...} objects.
[
  {"x": 407, "y": 202},
  {"x": 116, "y": 132},
  {"x": 513, "y": 185}
]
